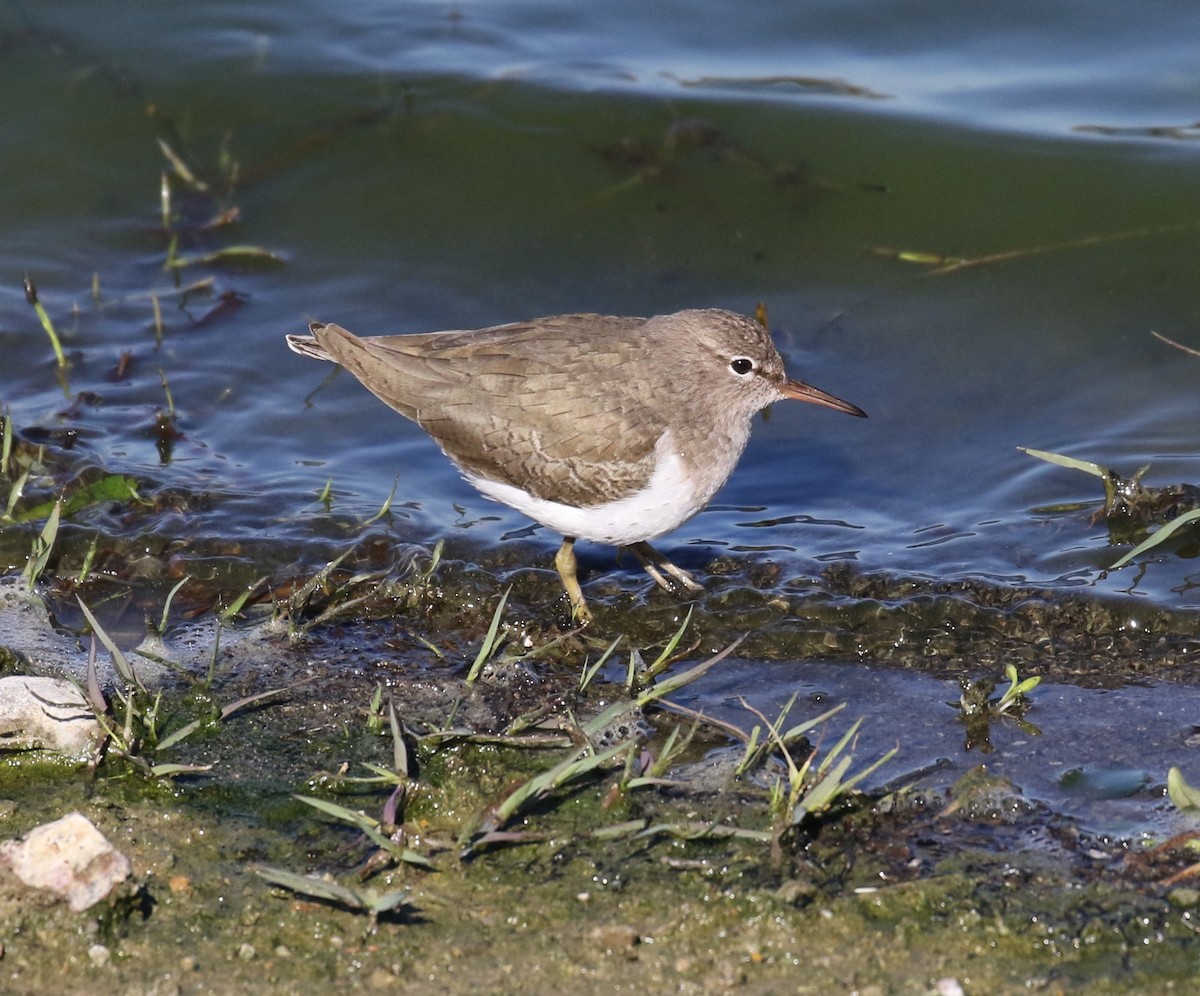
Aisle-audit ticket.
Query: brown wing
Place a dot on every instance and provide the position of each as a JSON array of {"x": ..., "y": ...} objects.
[{"x": 557, "y": 406}]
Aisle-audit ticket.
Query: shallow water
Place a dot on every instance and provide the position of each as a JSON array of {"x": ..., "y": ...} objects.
[
  {"x": 434, "y": 166},
  {"x": 449, "y": 166},
  {"x": 1071, "y": 753}
]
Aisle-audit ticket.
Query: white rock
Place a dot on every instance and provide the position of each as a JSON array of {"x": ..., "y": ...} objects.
[
  {"x": 46, "y": 712},
  {"x": 68, "y": 857}
]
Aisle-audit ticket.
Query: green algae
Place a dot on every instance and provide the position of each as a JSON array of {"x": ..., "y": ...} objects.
[{"x": 569, "y": 915}]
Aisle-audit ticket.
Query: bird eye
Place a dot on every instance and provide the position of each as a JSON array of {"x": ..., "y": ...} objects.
[{"x": 741, "y": 365}]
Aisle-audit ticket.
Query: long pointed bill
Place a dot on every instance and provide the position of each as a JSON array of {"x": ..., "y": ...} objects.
[{"x": 796, "y": 390}]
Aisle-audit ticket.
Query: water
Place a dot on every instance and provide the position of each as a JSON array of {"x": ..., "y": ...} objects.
[
  {"x": 1069, "y": 754},
  {"x": 432, "y": 165}
]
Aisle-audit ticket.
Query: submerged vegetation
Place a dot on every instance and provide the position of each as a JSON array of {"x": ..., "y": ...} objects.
[{"x": 1130, "y": 508}]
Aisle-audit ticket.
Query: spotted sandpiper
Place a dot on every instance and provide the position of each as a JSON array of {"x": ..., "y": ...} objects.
[{"x": 603, "y": 428}]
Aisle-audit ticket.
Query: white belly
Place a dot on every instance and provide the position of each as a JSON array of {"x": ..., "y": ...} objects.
[{"x": 669, "y": 499}]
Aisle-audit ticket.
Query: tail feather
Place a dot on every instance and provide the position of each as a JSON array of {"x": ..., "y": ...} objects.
[{"x": 307, "y": 345}]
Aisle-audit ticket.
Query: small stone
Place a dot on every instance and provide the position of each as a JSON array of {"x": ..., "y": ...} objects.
[
  {"x": 47, "y": 713},
  {"x": 796, "y": 891},
  {"x": 1185, "y": 897},
  {"x": 99, "y": 955},
  {"x": 724, "y": 977},
  {"x": 614, "y": 937},
  {"x": 246, "y": 952},
  {"x": 69, "y": 857}
]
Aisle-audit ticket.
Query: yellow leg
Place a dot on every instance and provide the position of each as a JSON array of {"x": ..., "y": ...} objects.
[{"x": 564, "y": 560}]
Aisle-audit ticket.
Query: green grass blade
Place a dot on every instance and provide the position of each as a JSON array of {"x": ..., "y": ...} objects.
[
  {"x": 797, "y": 731},
  {"x": 678, "y": 681},
  {"x": 120, "y": 661},
  {"x": 399, "y": 747},
  {"x": 589, "y": 672},
  {"x": 1065, "y": 461},
  {"x": 249, "y": 700},
  {"x": 569, "y": 769},
  {"x": 664, "y": 659},
  {"x": 174, "y": 770},
  {"x": 487, "y": 648},
  {"x": 166, "y": 610},
  {"x": 1158, "y": 536},
  {"x": 1185, "y": 797},
  {"x": 182, "y": 733},
  {"x": 350, "y": 816},
  {"x": 311, "y": 885}
]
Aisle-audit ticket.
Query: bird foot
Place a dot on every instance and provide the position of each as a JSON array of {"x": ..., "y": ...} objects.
[{"x": 654, "y": 564}]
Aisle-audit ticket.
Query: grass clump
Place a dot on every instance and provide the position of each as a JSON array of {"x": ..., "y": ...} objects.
[
  {"x": 140, "y": 723},
  {"x": 600, "y": 765}
]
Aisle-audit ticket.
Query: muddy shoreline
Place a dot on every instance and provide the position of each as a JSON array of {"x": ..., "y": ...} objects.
[{"x": 898, "y": 889}]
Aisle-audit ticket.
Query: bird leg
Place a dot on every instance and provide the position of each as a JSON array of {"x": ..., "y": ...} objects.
[
  {"x": 654, "y": 563},
  {"x": 564, "y": 560}
]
